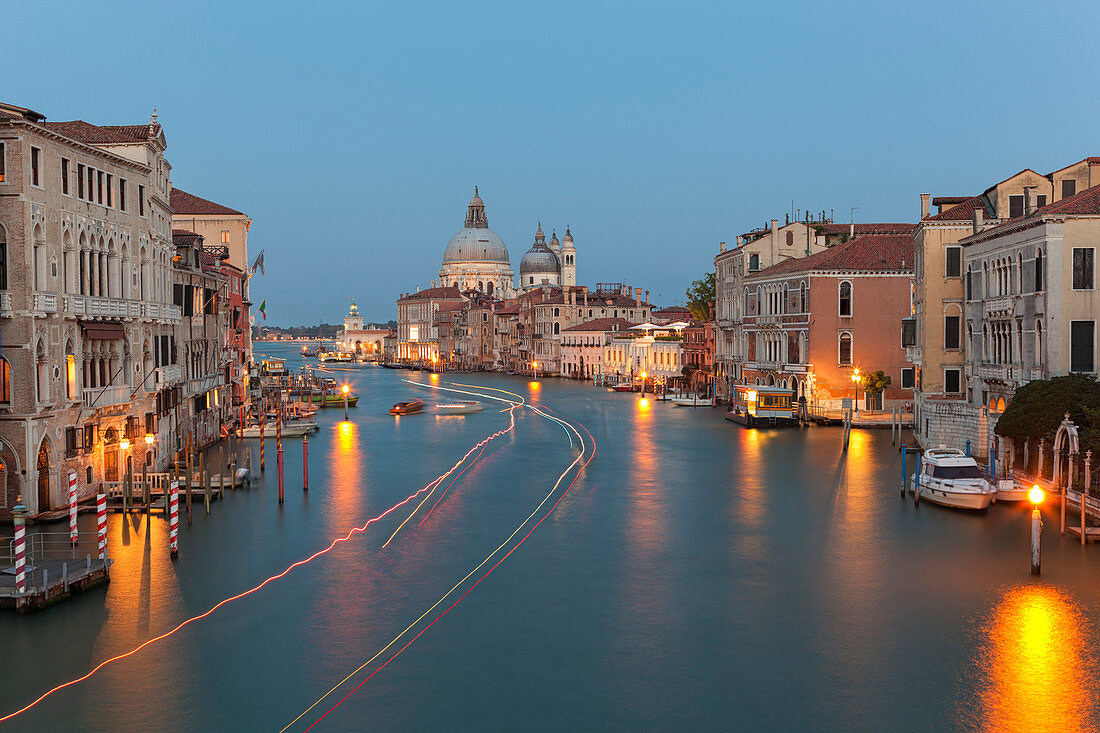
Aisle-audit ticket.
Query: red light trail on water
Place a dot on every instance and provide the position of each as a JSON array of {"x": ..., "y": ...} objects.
[
  {"x": 354, "y": 530},
  {"x": 472, "y": 572}
]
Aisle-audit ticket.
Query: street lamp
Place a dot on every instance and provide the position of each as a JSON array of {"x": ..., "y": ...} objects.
[
  {"x": 535, "y": 368},
  {"x": 644, "y": 375},
  {"x": 1036, "y": 497},
  {"x": 344, "y": 389},
  {"x": 855, "y": 379}
]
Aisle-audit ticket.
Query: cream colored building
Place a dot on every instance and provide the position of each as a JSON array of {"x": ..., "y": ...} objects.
[{"x": 934, "y": 336}]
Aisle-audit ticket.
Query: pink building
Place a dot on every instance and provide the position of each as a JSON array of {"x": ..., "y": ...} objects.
[{"x": 811, "y": 322}]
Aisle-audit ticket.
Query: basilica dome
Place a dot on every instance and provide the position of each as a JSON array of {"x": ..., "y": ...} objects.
[{"x": 476, "y": 242}]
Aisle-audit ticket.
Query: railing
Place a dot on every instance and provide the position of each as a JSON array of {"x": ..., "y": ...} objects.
[
  {"x": 5, "y": 304},
  {"x": 50, "y": 546},
  {"x": 997, "y": 305},
  {"x": 768, "y": 365},
  {"x": 168, "y": 374},
  {"x": 45, "y": 302},
  {"x": 97, "y": 306},
  {"x": 97, "y": 397},
  {"x": 1000, "y": 372}
]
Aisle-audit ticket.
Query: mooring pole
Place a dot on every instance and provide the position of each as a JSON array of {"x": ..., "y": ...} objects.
[
  {"x": 305, "y": 463},
  {"x": 279, "y": 454},
  {"x": 174, "y": 519},
  {"x": 19, "y": 516},
  {"x": 101, "y": 524},
  {"x": 904, "y": 478},
  {"x": 1036, "y": 541}
]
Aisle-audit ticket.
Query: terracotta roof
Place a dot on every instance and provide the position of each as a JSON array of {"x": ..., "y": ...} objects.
[
  {"x": 86, "y": 132},
  {"x": 508, "y": 310},
  {"x": 434, "y": 293},
  {"x": 871, "y": 252},
  {"x": 963, "y": 211},
  {"x": 1085, "y": 203},
  {"x": 603, "y": 324},
  {"x": 948, "y": 200},
  {"x": 450, "y": 307},
  {"x": 872, "y": 228},
  {"x": 188, "y": 203},
  {"x": 184, "y": 236}
]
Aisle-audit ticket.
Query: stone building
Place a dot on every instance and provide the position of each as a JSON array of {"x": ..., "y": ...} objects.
[
  {"x": 86, "y": 307},
  {"x": 583, "y": 346},
  {"x": 810, "y": 322},
  {"x": 358, "y": 338},
  {"x": 1030, "y": 303}
]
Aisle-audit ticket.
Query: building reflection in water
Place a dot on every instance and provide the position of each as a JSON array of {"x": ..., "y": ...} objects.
[{"x": 1037, "y": 670}]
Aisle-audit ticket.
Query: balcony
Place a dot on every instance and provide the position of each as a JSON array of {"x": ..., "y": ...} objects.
[
  {"x": 45, "y": 303},
  {"x": 991, "y": 306},
  {"x": 1001, "y": 372},
  {"x": 5, "y": 304},
  {"x": 100, "y": 397},
  {"x": 94, "y": 306},
  {"x": 771, "y": 366},
  {"x": 168, "y": 374}
]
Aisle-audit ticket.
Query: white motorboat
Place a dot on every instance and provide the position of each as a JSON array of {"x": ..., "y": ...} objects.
[
  {"x": 951, "y": 478},
  {"x": 1009, "y": 489},
  {"x": 689, "y": 402},
  {"x": 462, "y": 407}
]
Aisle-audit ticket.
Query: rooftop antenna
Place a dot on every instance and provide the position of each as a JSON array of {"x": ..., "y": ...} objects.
[{"x": 852, "y": 219}]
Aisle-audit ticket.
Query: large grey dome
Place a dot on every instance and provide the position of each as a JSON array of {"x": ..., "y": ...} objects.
[{"x": 476, "y": 244}]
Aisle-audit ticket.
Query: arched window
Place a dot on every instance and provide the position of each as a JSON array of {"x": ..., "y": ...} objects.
[
  {"x": 557, "y": 312},
  {"x": 1038, "y": 342},
  {"x": 1038, "y": 270},
  {"x": 802, "y": 298},
  {"x": 557, "y": 328},
  {"x": 969, "y": 283},
  {"x": 489, "y": 288},
  {"x": 42, "y": 374},
  {"x": 845, "y": 309},
  {"x": 845, "y": 350}
]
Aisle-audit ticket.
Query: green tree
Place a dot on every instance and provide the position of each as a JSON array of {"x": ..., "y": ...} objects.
[
  {"x": 874, "y": 382},
  {"x": 699, "y": 296},
  {"x": 1038, "y": 408}
]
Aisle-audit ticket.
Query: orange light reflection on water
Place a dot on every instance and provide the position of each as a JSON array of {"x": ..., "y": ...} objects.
[
  {"x": 344, "y": 462},
  {"x": 1037, "y": 664}
]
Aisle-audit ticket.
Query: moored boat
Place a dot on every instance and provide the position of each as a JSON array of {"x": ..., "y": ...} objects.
[
  {"x": 461, "y": 407},
  {"x": 623, "y": 387},
  {"x": 407, "y": 408},
  {"x": 1009, "y": 489},
  {"x": 951, "y": 478},
  {"x": 292, "y": 429}
]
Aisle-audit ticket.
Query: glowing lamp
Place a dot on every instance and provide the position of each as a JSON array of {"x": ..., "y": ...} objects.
[
  {"x": 344, "y": 389},
  {"x": 644, "y": 375},
  {"x": 149, "y": 439},
  {"x": 751, "y": 395},
  {"x": 1036, "y": 495},
  {"x": 124, "y": 443}
]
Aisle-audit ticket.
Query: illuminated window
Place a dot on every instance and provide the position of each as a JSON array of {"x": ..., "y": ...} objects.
[
  {"x": 5, "y": 381},
  {"x": 225, "y": 236},
  {"x": 414, "y": 333}
]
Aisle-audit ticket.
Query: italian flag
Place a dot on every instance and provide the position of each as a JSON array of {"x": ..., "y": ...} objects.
[{"x": 263, "y": 308}]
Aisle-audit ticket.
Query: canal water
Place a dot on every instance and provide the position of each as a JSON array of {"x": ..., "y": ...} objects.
[{"x": 699, "y": 575}]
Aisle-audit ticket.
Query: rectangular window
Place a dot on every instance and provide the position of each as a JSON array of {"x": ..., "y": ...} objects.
[
  {"x": 1015, "y": 206},
  {"x": 65, "y": 176},
  {"x": 99, "y": 186},
  {"x": 1069, "y": 187},
  {"x": 36, "y": 173},
  {"x": 71, "y": 443},
  {"x": 89, "y": 436},
  {"x": 3, "y": 265},
  {"x": 909, "y": 331},
  {"x": 3, "y": 166},
  {"x": 907, "y": 378},
  {"x": 225, "y": 236},
  {"x": 122, "y": 194},
  {"x": 80, "y": 180},
  {"x": 951, "y": 332},
  {"x": 91, "y": 184},
  {"x": 1083, "y": 258},
  {"x": 1082, "y": 340},
  {"x": 110, "y": 190},
  {"x": 951, "y": 381},
  {"x": 1040, "y": 200},
  {"x": 954, "y": 262},
  {"x": 141, "y": 200}
]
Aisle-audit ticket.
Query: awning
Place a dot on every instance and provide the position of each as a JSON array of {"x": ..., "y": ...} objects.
[{"x": 103, "y": 330}]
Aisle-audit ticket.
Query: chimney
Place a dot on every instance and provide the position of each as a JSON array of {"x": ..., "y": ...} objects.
[
  {"x": 925, "y": 205},
  {"x": 721, "y": 246},
  {"x": 647, "y": 297},
  {"x": 584, "y": 290},
  {"x": 637, "y": 297},
  {"x": 979, "y": 219},
  {"x": 851, "y": 230},
  {"x": 738, "y": 240},
  {"x": 775, "y": 231},
  {"x": 1029, "y": 201}
]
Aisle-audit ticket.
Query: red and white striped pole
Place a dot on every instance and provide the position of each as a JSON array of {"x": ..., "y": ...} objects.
[
  {"x": 174, "y": 520},
  {"x": 101, "y": 524},
  {"x": 72, "y": 508},
  {"x": 19, "y": 516}
]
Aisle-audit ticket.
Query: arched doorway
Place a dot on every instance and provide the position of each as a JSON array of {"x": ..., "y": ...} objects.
[
  {"x": 42, "y": 466},
  {"x": 9, "y": 476},
  {"x": 110, "y": 454}
]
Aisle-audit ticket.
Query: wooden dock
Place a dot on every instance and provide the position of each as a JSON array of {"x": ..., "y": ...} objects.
[{"x": 51, "y": 580}]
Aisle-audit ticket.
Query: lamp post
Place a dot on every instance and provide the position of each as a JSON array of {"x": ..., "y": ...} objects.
[
  {"x": 1036, "y": 497},
  {"x": 535, "y": 369},
  {"x": 344, "y": 389},
  {"x": 124, "y": 444},
  {"x": 855, "y": 379},
  {"x": 644, "y": 375}
]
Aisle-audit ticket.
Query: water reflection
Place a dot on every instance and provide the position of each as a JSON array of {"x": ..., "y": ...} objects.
[
  {"x": 1036, "y": 664},
  {"x": 344, "y": 462}
]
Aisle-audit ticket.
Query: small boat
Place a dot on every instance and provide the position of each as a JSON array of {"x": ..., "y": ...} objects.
[
  {"x": 407, "y": 408},
  {"x": 623, "y": 387},
  {"x": 1008, "y": 489},
  {"x": 333, "y": 400},
  {"x": 689, "y": 402},
  {"x": 951, "y": 478},
  {"x": 462, "y": 407}
]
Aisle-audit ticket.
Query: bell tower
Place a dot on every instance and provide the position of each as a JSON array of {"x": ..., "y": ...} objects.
[{"x": 568, "y": 257}]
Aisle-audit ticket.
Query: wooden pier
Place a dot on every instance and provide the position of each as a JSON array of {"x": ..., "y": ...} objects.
[{"x": 55, "y": 570}]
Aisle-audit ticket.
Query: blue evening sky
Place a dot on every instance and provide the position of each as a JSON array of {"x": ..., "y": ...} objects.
[{"x": 353, "y": 133}]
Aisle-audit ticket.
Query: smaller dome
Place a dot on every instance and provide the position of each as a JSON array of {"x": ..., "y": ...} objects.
[
  {"x": 539, "y": 261},
  {"x": 553, "y": 238},
  {"x": 568, "y": 239}
]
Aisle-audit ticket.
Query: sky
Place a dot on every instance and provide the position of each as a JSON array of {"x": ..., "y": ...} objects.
[{"x": 353, "y": 133}]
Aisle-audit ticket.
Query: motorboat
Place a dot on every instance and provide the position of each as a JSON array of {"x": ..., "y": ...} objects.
[
  {"x": 461, "y": 407},
  {"x": 951, "y": 478},
  {"x": 693, "y": 401},
  {"x": 1009, "y": 489},
  {"x": 407, "y": 408},
  {"x": 623, "y": 387}
]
